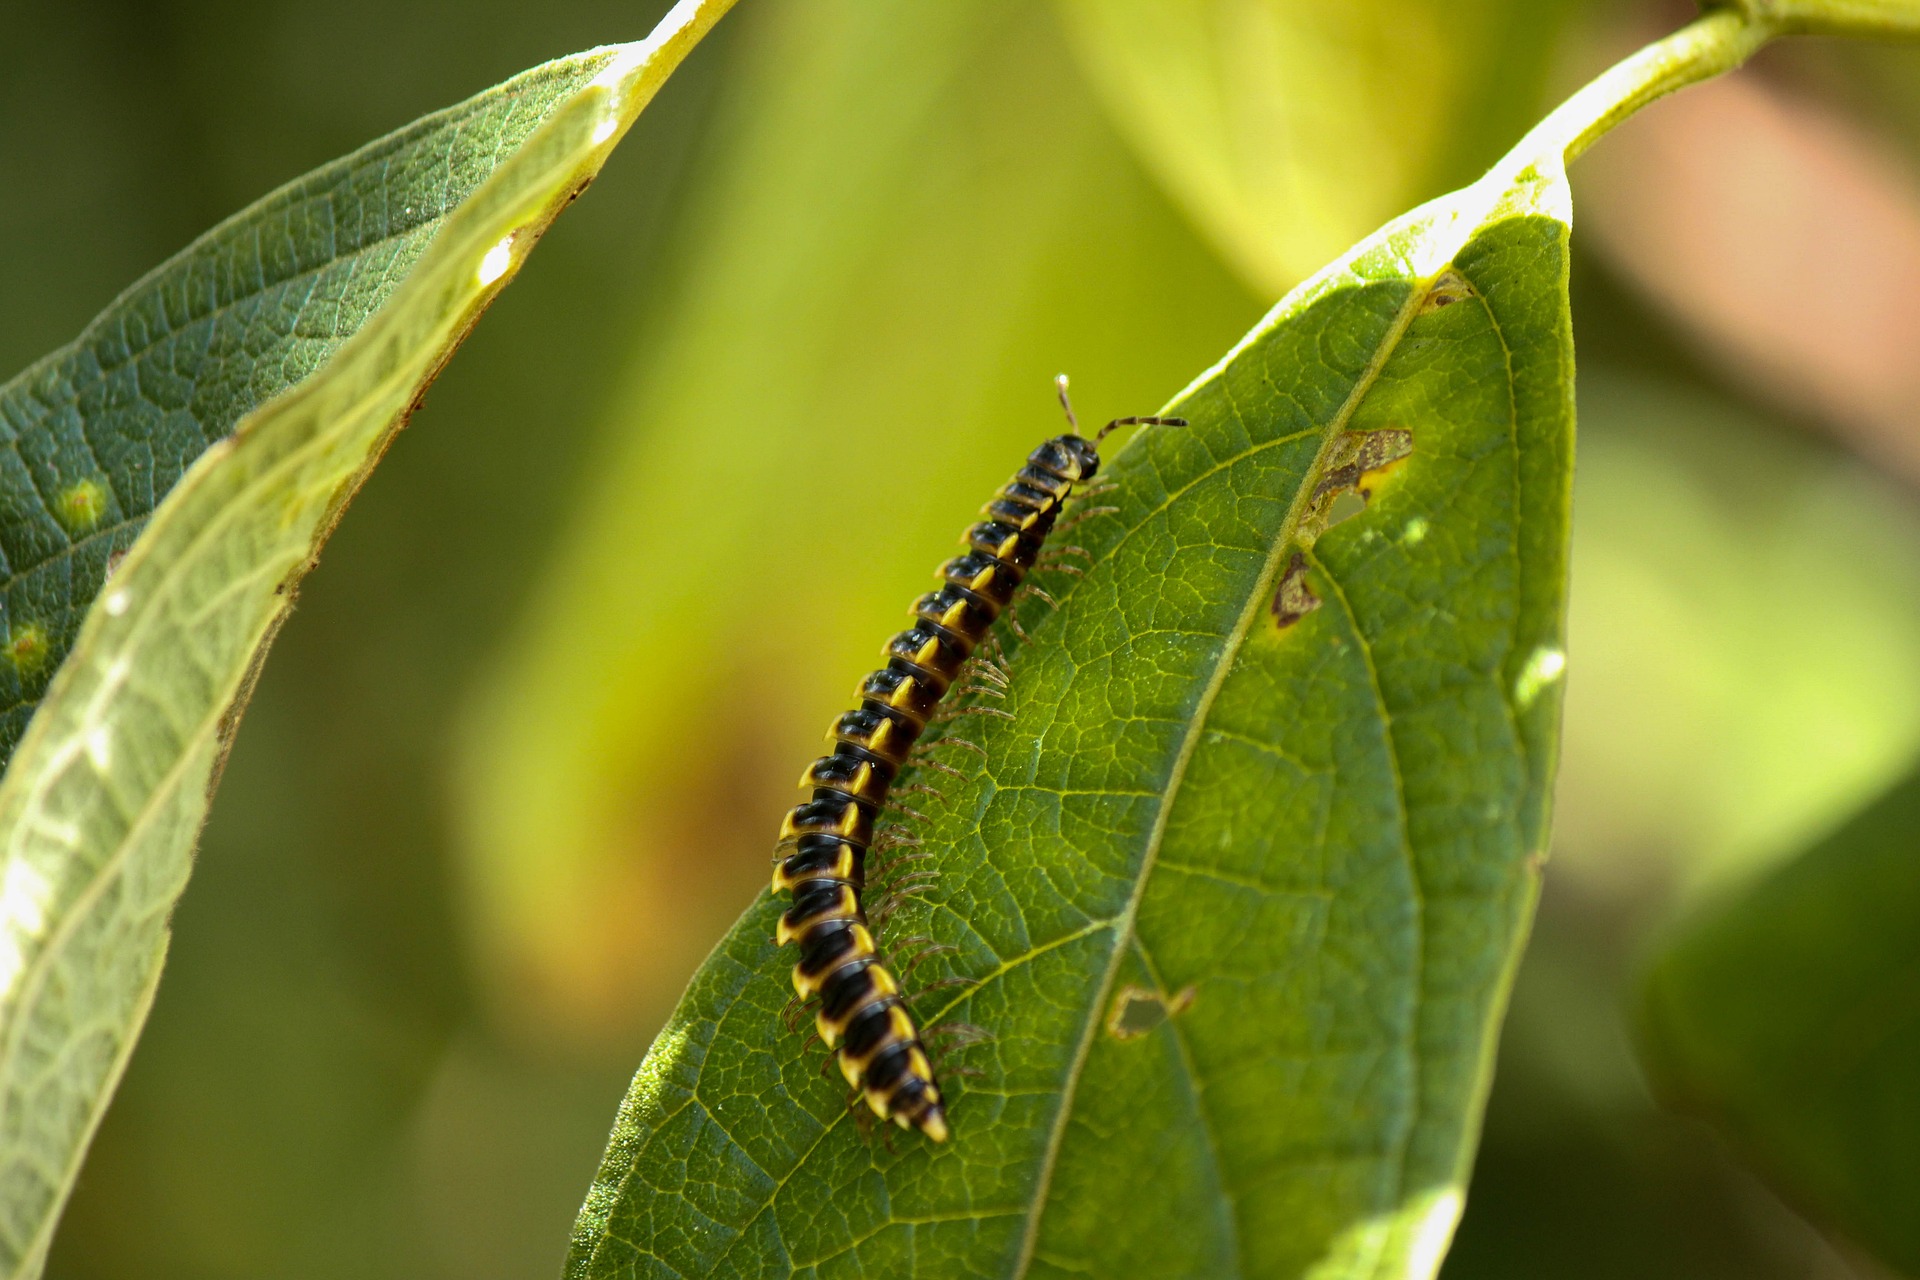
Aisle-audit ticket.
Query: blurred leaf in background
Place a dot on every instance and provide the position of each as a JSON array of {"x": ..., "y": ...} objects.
[
  {"x": 1288, "y": 129},
  {"x": 1789, "y": 1017},
  {"x": 918, "y": 218},
  {"x": 1781, "y": 232},
  {"x": 1694, "y": 694},
  {"x": 1747, "y": 627}
]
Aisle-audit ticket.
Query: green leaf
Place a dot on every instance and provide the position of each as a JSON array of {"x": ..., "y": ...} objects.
[
  {"x": 307, "y": 327},
  {"x": 1789, "y": 1018},
  {"x": 1240, "y": 887},
  {"x": 1250, "y": 112}
]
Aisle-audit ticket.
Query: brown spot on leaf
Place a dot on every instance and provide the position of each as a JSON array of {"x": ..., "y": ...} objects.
[
  {"x": 1450, "y": 288},
  {"x": 1358, "y": 454},
  {"x": 1136, "y": 1011},
  {"x": 1355, "y": 465},
  {"x": 1295, "y": 599}
]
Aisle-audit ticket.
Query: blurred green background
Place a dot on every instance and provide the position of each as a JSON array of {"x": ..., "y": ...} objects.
[{"x": 515, "y": 761}]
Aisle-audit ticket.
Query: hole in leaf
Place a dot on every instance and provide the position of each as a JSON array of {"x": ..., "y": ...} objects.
[
  {"x": 1346, "y": 505},
  {"x": 1355, "y": 467},
  {"x": 1137, "y": 1011}
]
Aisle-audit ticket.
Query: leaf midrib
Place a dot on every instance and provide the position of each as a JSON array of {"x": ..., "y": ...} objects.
[{"x": 1190, "y": 740}]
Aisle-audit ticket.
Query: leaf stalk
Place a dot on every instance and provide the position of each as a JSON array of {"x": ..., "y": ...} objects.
[
  {"x": 1720, "y": 40},
  {"x": 1838, "y": 17},
  {"x": 1715, "y": 43}
]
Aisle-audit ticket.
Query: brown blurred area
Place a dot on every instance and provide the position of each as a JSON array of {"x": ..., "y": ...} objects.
[
  {"x": 514, "y": 763},
  {"x": 1779, "y": 228}
]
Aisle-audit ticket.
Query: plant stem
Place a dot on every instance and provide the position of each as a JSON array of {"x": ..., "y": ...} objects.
[
  {"x": 1839, "y": 17},
  {"x": 1715, "y": 43}
]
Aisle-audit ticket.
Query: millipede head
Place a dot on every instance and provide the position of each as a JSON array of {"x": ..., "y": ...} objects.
[
  {"x": 1073, "y": 423},
  {"x": 1071, "y": 457}
]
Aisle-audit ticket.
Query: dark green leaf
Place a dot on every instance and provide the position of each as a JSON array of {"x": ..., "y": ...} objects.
[
  {"x": 1240, "y": 887},
  {"x": 101, "y": 429},
  {"x": 1789, "y": 1017}
]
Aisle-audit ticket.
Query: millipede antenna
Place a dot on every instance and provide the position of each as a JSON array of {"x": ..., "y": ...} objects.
[
  {"x": 1138, "y": 422},
  {"x": 1073, "y": 421},
  {"x": 1060, "y": 383}
]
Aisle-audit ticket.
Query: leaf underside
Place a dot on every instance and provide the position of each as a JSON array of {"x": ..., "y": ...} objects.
[
  {"x": 1787, "y": 1017},
  {"x": 1239, "y": 887},
  {"x": 247, "y": 386},
  {"x": 98, "y": 432}
]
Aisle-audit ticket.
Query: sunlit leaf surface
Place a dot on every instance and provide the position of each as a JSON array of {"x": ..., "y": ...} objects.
[
  {"x": 350, "y": 287},
  {"x": 1786, "y": 1018},
  {"x": 1241, "y": 883}
]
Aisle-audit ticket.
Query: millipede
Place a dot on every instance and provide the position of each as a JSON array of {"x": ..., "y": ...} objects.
[{"x": 822, "y": 849}]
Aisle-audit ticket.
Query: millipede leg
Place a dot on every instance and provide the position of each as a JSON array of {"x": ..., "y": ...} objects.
[
  {"x": 960, "y": 1035},
  {"x": 987, "y": 668},
  {"x": 795, "y": 1009},
  {"x": 926, "y": 761},
  {"x": 1083, "y": 515},
  {"x": 1030, "y": 588},
  {"x": 910, "y": 886},
  {"x": 927, "y": 950},
  {"x": 983, "y": 711},
  {"x": 883, "y": 869}
]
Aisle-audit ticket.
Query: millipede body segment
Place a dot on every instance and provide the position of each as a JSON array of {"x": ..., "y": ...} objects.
[{"x": 823, "y": 842}]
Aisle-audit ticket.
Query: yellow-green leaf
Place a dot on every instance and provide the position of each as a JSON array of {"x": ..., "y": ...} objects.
[
  {"x": 1287, "y": 128},
  {"x": 306, "y": 327}
]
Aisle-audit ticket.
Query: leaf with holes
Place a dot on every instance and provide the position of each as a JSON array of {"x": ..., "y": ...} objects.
[
  {"x": 1239, "y": 887},
  {"x": 1786, "y": 1018},
  {"x": 253, "y": 381}
]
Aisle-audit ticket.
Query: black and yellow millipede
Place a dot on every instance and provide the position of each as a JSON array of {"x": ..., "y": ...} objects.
[{"x": 823, "y": 844}]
